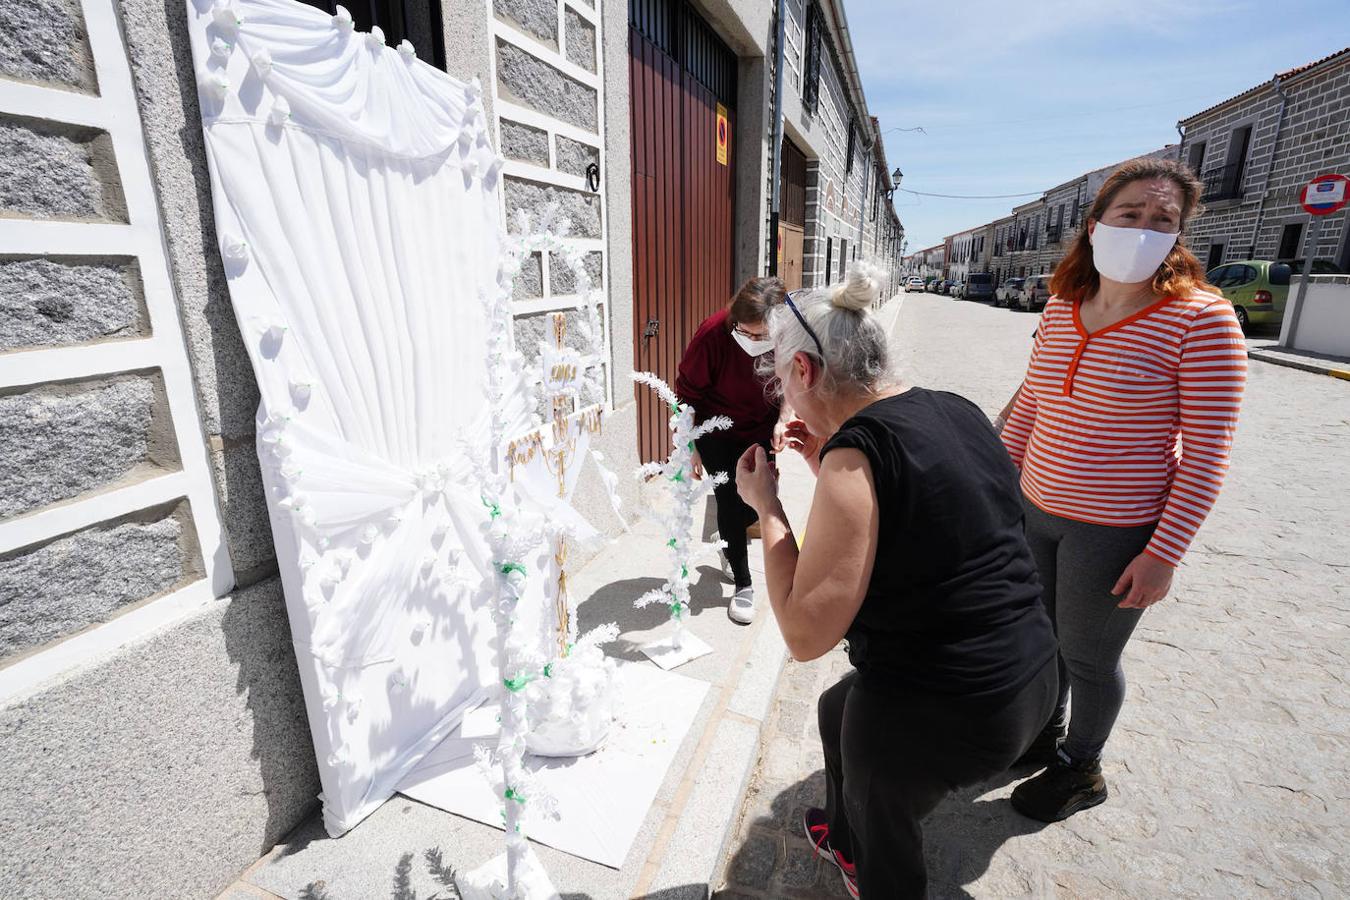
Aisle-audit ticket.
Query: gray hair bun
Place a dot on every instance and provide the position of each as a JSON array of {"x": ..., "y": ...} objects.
[{"x": 861, "y": 288}]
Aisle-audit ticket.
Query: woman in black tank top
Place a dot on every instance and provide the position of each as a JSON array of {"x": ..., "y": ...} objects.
[{"x": 915, "y": 555}]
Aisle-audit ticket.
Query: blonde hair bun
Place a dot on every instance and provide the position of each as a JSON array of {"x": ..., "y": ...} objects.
[{"x": 861, "y": 288}]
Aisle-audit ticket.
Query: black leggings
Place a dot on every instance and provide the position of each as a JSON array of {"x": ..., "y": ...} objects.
[
  {"x": 720, "y": 454},
  {"x": 890, "y": 759}
]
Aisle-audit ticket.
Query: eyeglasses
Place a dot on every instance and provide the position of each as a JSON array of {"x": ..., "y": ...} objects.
[
  {"x": 800, "y": 318},
  {"x": 750, "y": 335}
]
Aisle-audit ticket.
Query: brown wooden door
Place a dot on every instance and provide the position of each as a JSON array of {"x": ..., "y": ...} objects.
[
  {"x": 791, "y": 241},
  {"x": 683, "y": 210}
]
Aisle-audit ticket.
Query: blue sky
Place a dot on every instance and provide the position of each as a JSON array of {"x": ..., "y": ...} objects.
[{"x": 1022, "y": 96}]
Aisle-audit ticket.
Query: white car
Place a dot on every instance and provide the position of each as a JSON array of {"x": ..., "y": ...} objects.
[{"x": 913, "y": 283}]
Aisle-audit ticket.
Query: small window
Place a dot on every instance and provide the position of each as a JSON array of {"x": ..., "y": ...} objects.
[
  {"x": 1216, "y": 276},
  {"x": 1242, "y": 275},
  {"x": 1290, "y": 239},
  {"x": 419, "y": 23},
  {"x": 1197, "y": 157}
]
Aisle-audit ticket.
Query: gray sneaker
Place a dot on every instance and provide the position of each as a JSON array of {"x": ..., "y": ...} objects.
[{"x": 742, "y": 607}]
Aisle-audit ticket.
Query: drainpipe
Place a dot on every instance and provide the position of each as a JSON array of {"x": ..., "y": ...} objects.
[
  {"x": 1274, "y": 145},
  {"x": 776, "y": 167}
]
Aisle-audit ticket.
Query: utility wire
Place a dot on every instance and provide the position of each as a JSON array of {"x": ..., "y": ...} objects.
[{"x": 973, "y": 196}]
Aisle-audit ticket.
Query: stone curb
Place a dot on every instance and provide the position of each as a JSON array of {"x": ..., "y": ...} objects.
[{"x": 1317, "y": 368}]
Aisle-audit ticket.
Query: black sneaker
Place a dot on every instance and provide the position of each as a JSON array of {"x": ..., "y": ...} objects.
[
  {"x": 817, "y": 828},
  {"x": 1044, "y": 748},
  {"x": 1064, "y": 788}
]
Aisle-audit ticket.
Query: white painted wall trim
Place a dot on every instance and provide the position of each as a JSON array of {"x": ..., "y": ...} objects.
[
  {"x": 554, "y": 128},
  {"x": 28, "y": 674},
  {"x": 116, "y": 112}
]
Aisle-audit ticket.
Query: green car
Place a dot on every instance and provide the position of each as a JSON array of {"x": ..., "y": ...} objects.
[{"x": 1258, "y": 288}]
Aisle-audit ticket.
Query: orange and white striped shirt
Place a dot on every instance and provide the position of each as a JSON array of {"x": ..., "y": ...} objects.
[{"x": 1095, "y": 430}]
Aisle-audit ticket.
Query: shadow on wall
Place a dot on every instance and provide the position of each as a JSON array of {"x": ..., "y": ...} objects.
[
  {"x": 199, "y": 277},
  {"x": 960, "y": 839},
  {"x": 257, "y": 642}
]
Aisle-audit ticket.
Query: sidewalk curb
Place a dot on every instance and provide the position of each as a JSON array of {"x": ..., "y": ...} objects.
[{"x": 1315, "y": 368}]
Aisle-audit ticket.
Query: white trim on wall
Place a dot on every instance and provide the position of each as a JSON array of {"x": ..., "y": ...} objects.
[
  {"x": 116, "y": 112},
  {"x": 553, "y": 129}
]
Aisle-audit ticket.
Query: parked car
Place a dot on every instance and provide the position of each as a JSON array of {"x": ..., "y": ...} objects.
[
  {"x": 955, "y": 288},
  {"x": 978, "y": 286},
  {"x": 1035, "y": 292},
  {"x": 1259, "y": 289},
  {"x": 913, "y": 283},
  {"x": 1008, "y": 292},
  {"x": 939, "y": 286}
]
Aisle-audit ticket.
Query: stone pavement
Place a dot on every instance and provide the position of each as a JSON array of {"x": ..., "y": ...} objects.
[{"x": 1230, "y": 764}]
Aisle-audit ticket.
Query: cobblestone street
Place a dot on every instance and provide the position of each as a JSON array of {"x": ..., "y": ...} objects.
[{"x": 1229, "y": 768}]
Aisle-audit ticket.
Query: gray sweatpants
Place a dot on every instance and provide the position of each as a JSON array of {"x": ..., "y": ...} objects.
[{"x": 1079, "y": 564}]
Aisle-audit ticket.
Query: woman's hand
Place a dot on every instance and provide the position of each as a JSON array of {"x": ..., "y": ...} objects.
[
  {"x": 800, "y": 438},
  {"x": 1145, "y": 581},
  {"x": 779, "y": 440},
  {"x": 756, "y": 481},
  {"x": 696, "y": 465}
]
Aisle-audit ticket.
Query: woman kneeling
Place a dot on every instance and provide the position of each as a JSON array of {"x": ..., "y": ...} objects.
[{"x": 914, "y": 553}]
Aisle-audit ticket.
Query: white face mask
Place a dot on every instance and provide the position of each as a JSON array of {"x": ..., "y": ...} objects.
[
  {"x": 1129, "y": 255},
  {"x": 754, "y": 348}
]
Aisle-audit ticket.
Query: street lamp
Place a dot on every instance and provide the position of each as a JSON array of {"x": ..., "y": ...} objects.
[{"x": 896, "y": 178}]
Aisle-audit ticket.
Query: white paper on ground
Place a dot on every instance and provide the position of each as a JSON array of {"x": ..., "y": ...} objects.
[
  {"x": 665, "y": 654},
  {"x": 602, "y": 798},
  {"x": 488, "y": 881}
]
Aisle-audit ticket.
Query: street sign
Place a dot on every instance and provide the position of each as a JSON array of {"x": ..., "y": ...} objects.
[
  {"x": 723, "y": 134},
  {"x": 1325, "y": 194}
]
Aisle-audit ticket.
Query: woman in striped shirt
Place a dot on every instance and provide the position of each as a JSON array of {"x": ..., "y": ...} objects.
[{"x": 1122, "y": 431}]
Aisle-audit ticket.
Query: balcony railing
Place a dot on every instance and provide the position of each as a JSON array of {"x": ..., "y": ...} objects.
[
  {"x": 1222, "y": 183},
  {"x": 1053, "y": 233}
]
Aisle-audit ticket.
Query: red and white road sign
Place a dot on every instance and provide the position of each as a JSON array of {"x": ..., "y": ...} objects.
[{"x": 1325, "y": 194}]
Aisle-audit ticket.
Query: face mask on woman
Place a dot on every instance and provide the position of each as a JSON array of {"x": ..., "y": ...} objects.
[
  {"x": 752, "y": 347},
  {"x": 1129, "y": 255}
]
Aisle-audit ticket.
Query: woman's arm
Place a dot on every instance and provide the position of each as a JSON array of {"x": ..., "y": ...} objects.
[
  {"x": 1020, "y": 414},
  {"x": 1210, "y": 381},
  {"x": 816, "y": 592},
  {"x": 695, "y": 374},
  {"x": 1002, "y": 418}
]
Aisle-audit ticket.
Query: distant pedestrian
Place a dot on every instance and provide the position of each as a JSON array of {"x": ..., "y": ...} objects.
[
  {"x": 718, "y": 377},
  {"x": 915, "y": 554},
  {"x": 1122, "y": 430}
]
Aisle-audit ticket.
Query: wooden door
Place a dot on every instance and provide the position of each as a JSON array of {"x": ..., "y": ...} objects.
[
  {"x": 682, "y": 82},
  {"x": 791, "y": 244}
]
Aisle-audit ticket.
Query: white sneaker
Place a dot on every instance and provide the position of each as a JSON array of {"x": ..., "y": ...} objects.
[{"x": 742, "y": 607}]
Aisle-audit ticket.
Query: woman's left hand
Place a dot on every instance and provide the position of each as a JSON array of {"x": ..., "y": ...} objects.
[
  {"x": 756, "y": 481},
  {"x": 1145, "y": 581}
]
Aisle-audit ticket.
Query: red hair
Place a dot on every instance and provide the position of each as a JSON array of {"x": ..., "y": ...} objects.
[{"x": 1180, "y": 274}]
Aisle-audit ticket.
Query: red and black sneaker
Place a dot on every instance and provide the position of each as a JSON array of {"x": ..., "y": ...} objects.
[{"x": 817, "y": 828}]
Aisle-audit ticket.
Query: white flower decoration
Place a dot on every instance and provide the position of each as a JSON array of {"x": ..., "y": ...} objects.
[
  {"x": 215, "y": 85},
  {"x": 280, "y": 113},
  {"x": 221, "y": 49},
  {"x": 342, "y": 21},
  {"x": 234, "y": 248},
  {"x": 226, "y": 17},
  {"x": 375, "y": 40},
  {"x": 407, "y": 50},
  {"x": 262, "y": 62},
  {"x": 301, "y": 390}
]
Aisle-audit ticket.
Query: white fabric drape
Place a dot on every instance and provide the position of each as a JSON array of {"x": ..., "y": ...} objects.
[{"x": 355, "y": 199}]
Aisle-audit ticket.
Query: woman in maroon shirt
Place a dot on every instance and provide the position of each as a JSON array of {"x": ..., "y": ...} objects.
[{"x": 718, "y": 378}]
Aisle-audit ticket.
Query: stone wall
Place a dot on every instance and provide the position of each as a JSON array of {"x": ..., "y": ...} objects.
[
  {"x": 162, "y": 760},
  {"x": 1292, "y": 141}
]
